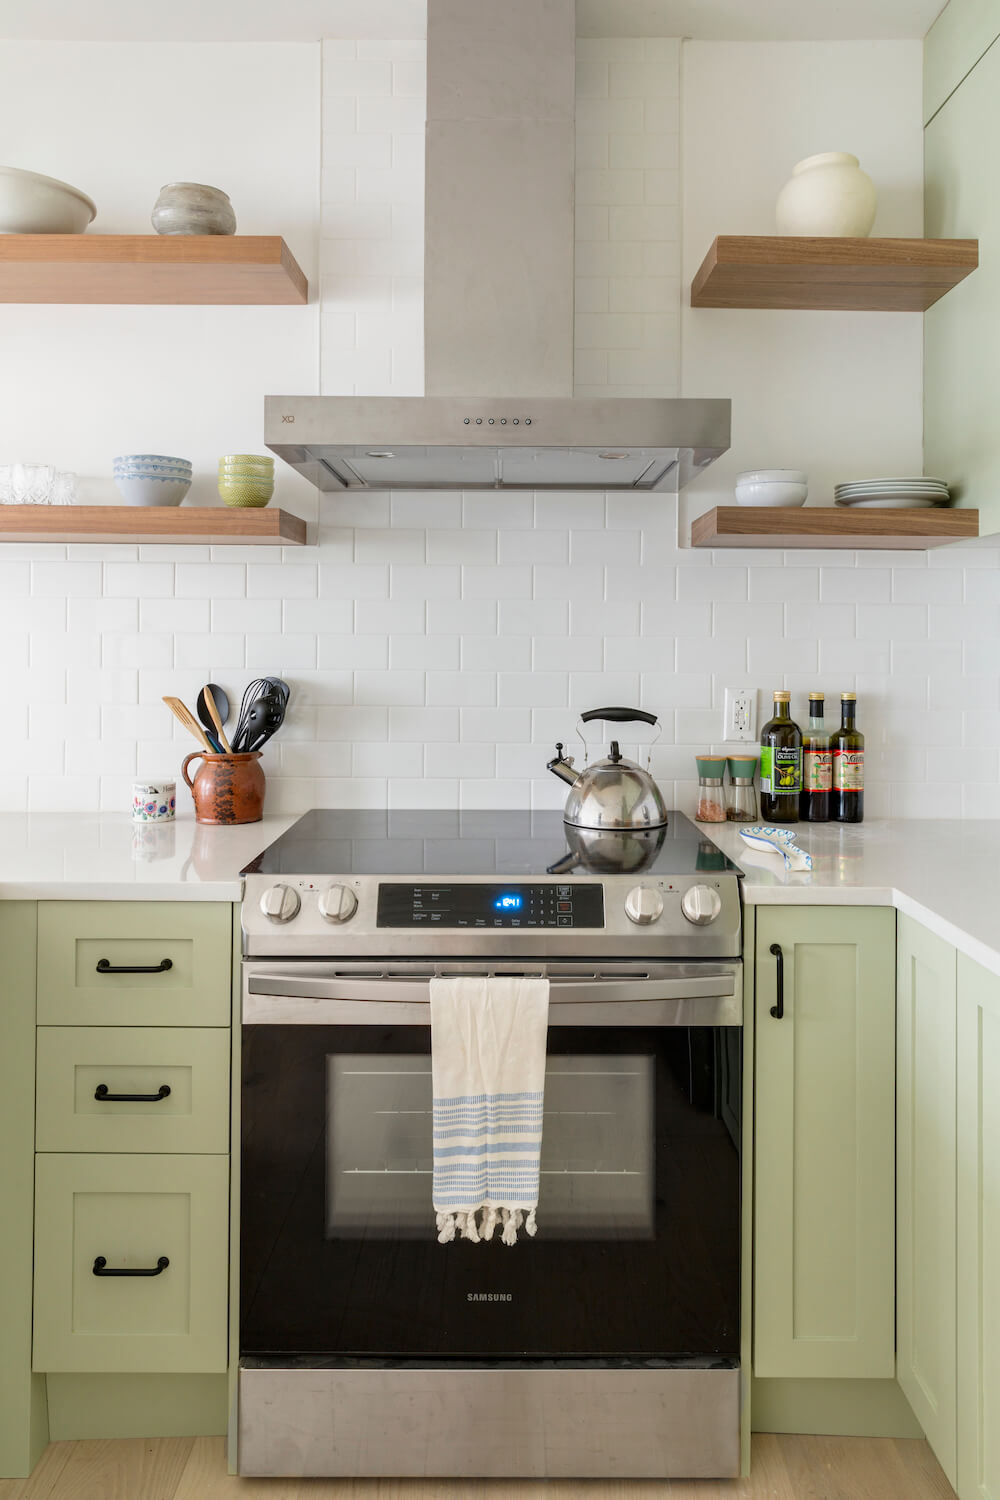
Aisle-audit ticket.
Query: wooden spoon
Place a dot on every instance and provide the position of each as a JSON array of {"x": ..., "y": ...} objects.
[
  {"x": 213, "y": 714},
  {"x": 181, "y": 711}
]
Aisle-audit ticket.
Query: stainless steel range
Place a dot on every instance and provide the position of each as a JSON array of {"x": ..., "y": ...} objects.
[{"x": 607, "y": 1346}]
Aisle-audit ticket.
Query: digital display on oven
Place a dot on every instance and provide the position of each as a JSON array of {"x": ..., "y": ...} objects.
[{"x": 490, "y": 906}]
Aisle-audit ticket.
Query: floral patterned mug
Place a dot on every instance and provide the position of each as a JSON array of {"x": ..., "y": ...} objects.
[{"x": 154, "y": 801}]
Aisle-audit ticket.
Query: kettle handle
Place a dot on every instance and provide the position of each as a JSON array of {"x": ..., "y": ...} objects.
[{"x": 619, "y": 716}]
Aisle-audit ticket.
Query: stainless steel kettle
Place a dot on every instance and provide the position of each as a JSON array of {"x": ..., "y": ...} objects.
[{"x": 614, "y": 792}]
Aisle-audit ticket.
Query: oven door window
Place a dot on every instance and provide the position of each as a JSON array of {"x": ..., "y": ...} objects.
[
  {"x": 637, "y": 1252},
  {"x": 597, "y": 1179}
]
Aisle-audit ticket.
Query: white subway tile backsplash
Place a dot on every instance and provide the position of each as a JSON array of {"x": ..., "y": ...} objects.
[
  {"x": 464, "y": 689},
  {"x": 461, "y": 546},
  {"x": 494, "y": 653},
  {"x": 425, "y": 652},
  {"x": 424, "y": 724}
]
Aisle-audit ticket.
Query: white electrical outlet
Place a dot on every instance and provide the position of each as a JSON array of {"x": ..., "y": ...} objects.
[{"x": 740, "y": 722}]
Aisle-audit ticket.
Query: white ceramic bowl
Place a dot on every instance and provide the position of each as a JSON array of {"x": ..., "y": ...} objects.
[
  {"x": 150, "y": 490},
  {"x": 33, "y": 204},
  {"x": 766, "y": 476},
  {"x": 773, "y": 492}
]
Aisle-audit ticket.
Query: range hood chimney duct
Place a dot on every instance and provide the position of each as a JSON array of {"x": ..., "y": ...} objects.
[{"x": 499, "y": 196}]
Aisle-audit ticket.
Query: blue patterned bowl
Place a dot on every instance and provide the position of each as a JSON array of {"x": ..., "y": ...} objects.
[{"x": 149, "y": 489}]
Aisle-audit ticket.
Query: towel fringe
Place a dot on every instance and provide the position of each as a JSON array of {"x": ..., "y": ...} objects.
[
  {"x": 490, "y": 1217},
  {"x": 529, "y": 1224},
  {"x": 446, "y": 1228}
]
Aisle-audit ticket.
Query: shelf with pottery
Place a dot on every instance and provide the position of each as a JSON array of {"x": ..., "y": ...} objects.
[
  {"x": 834, "y": 527},
  {"x": 835, "y": 273},
  {"x": 822, "y": 258},
  {"x": 177, "y": 525},
  {"x": 200, "y": 269}
]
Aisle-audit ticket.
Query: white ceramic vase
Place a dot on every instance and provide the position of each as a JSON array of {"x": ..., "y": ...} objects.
[{"x": 827, "y": 195}]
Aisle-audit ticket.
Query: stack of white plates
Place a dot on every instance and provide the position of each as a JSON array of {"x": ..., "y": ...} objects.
[{"x": 906, "y": 493}]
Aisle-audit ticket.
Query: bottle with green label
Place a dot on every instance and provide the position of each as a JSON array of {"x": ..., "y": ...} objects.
[
  {"x": 817, "y": 766},
  {"x": 780, "y": 765},
  {"x": 848, "y": 746}
]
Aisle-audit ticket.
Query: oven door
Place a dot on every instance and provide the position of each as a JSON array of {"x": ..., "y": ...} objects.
[{"x": 637, "y": 1252}]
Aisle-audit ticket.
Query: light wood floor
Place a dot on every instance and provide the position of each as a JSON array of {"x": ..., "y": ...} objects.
[{"x": 784, "y": 1468}]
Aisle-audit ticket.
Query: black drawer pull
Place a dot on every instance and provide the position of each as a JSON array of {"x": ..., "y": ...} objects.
[
  {"x": 101, "y": 1093},
  {"x": 100, "y": 1268},
  {"x": 105, "y": 966},
  {"x": 778, "y": 1010}
]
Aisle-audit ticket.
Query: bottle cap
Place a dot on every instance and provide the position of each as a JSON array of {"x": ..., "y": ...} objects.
[
  {"x": 712, "y": 767},
  {"x": 743, "y": 766},
  {"x": 781, "y": 696},
  {"x": 849, "y": 697},
  {"x": 814, "y": 696}
]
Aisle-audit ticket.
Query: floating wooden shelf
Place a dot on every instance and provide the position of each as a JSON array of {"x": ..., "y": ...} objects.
[
  {"x": 149, "y": 268},
  {"x": 134, "y": 523},
  {"x": 783, "y": 271},
  {"x": 833, "y": 526}
]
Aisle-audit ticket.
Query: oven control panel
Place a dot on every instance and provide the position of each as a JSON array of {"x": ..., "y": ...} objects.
[{"x": 513, "y": 905}]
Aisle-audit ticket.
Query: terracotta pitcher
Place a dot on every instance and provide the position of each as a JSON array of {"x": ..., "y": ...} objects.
[{"x": 226, "y": 788}]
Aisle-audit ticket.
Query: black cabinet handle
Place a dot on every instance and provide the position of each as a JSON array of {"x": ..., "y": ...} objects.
[
  {"x": 778, "y": 1010},
  {"x": 101, "y": 1268},
  {"x": 101, "y": 1093},
  {"x": 105, "y": 966}
]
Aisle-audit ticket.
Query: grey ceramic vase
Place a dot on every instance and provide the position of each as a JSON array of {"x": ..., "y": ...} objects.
[{"x": 193, "y": 208}]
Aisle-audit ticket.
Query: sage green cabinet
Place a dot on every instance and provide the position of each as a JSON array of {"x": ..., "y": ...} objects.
[
  {"x": 193, "y": 938},
  {"x": 926, "y": 1183},
  {"x": 76, "y": 1062},
  {"x": 823, "y": 1147},
  {"x": 978, "y": 1291},
  {"x": 131, "y": 1211}
]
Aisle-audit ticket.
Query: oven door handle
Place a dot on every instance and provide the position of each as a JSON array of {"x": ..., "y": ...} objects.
[
  {"x": 280, "y": 999},
  {"x": 563, "y": 991}
]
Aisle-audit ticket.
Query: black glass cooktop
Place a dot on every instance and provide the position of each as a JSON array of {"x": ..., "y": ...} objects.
[{"x": 331, "y": 842}]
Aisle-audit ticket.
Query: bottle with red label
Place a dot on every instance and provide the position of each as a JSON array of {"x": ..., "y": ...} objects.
[
  {"x": 848, "y": 746},
  {"x": 817, "y": 766}
]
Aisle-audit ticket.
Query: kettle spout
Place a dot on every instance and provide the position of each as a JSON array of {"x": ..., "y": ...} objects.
[{"x": 562, "y": 766}]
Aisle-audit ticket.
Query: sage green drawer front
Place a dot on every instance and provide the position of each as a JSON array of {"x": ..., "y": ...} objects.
[
  {"x": 74, "y": 1062},
  {"x": 131, "y": 1210},
  {"x": 194, "y": 937}
]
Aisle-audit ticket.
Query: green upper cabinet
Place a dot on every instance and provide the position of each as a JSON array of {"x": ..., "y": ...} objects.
[
  {"x": 134, "y": 963},
  {"x": 962, "y": 200},
  {"x": 925, "y": 1190},
  {"x": 978, "y": 1386},
  {"x": 823, "y": 1150}
]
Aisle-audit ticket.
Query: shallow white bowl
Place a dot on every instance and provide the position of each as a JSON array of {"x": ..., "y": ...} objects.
[
  {"x": 767, "y": 476},
  {"x": 773, "y": 493},
  {"x": 148, "y": 490},
  {"x": 33, "y": 204}
]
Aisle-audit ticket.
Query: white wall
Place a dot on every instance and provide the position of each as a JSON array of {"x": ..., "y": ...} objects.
[
  {"x": 627, "y": 217},
  {"x": 438, "y": 644}
]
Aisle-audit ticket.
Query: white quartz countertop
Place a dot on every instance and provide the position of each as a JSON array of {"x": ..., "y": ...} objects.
[
  {"x": 107, "y": 857},
  {"x": 943, "y": 872}
]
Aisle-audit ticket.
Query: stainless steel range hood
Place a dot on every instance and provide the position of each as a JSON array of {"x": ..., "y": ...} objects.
[
  {"x": 442, "y": 442},
  {"x": 499, "y": 412}
]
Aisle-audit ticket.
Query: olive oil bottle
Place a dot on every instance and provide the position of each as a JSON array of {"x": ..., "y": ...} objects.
[
  {"x": 817, "y": 766},
  {"x": 780, "y": 765},
  {"x": 848, "y": 746}
]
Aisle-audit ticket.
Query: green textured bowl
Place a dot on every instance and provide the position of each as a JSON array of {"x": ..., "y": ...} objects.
[
  {"x": 246, "y": 458},
  {"x": 246, "y": 493}
]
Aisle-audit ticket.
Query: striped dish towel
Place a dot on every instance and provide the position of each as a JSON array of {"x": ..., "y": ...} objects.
[{"x": 488, "y": 1065}]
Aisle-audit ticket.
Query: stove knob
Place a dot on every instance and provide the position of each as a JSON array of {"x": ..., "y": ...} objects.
[
  {"x": 701, "y": 904},
  {"x": 338, "y": 903},
  {"x": 643, "y": 905},
  {"x": 280, "y": 903}
]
